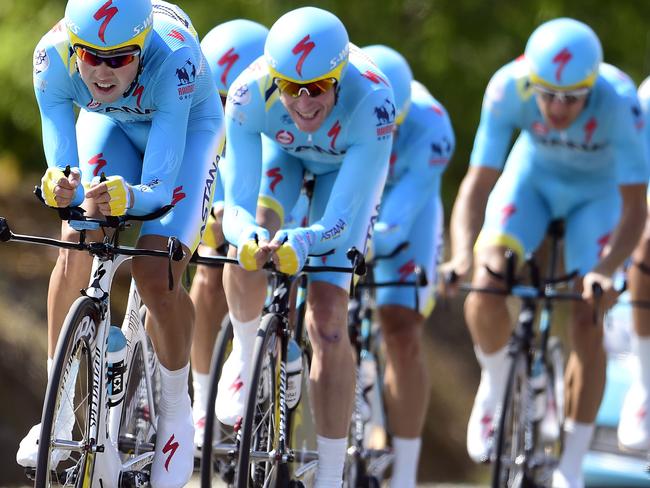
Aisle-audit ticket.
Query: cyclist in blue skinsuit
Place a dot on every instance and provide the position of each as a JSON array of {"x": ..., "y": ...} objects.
[
  {"x": 411, "y": 211},
  {"x": 325, "y": 108},
  {"x": 580, "y": 156},
  {"x": 150, "y": 120},
  {"x": 634, "y": 424},
  {"x": 229, "y": 48}
]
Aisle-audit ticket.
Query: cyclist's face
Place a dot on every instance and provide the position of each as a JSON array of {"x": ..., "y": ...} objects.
[
  {"x": 560, "y": 113},
  {"x": 309, "y": 113},
  {"x": 107, "y": 84}
]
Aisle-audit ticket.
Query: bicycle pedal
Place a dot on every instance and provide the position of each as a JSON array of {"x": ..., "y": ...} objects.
[
  {"x": 134, "y": 479},
  {"x": 30, "y": 472}
]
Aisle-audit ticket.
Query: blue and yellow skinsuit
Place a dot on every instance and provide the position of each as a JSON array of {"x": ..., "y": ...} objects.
[
  {"x": 411, "y": 209},
  {"x": 572, "y": 174},
  {"x": 348, "y": 155},
  {"x": 161, "y": 136}
]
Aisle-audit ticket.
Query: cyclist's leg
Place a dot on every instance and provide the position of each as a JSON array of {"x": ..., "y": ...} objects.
[
  {"x": 332, "y": 367},
  {"x": 406, "y": 376},
  {"x": 587, "y": 230},
  {"x": 102, "y": 146},
  {"x": 170, "y": 314},
  {"x": 210, "y": 306},
  {"x": 516, "y": 218},
  {"x": 245, "y": 290},
  {"x": 634, "y": 424}
]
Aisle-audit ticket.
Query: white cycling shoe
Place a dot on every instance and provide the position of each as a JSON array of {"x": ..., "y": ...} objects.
[
  {"x": 27, "y": 454},
  {"x": 480, "y": 428},
  {"x": 233, "y": 386},
  {"x": 634, "y": 422},
  {"x": 562, "y": 481},
  {"x": 173, "y": 460}
]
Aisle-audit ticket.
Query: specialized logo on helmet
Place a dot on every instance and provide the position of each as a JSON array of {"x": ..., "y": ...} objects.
[
  {"x": 562, "y": 59},
  {"x": 106, "y": 12},
  {"x": 305, "y": 46},
  {"x": 228, "y": 59}
]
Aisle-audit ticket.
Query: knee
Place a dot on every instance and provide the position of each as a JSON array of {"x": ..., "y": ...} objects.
[
  {"x": 208, "y": 279},
  {"x": 401, "y": 331},
  {"x": 153, "y": 281},
  {"x": 586, "y": 336},
  {"x": 327, "y": 330}
]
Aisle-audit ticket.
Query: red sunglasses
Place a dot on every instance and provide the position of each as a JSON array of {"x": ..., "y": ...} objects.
[{"x": 113, "y": 61}]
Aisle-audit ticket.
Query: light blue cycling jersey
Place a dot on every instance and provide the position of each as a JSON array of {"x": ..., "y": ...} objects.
[
  {"x": 173, "y": 94},
  {"x": 410, "y": 208},
  {"x": 573, "y": 174},
  {"x": 350, "y": 152},
  {"x": 603, "y": 142}
]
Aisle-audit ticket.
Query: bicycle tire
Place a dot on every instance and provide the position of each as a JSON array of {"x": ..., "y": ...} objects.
[
  {"x": 549, "y": 438},
  {"x": 509, "y": 440},
  {"x": 75, "y": 351},
  {"x": 260, "y": 419},
  {"x": 221, "y": 348}
]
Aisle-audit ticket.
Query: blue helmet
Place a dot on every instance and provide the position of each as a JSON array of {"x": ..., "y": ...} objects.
[
  {"x": 564, "y": 54},
  {"x": 230, "y": 47},
  {"x": 307, "y": 44},
  {"x": 106, "y": 25},
  {"x": 399, "y": 74}
]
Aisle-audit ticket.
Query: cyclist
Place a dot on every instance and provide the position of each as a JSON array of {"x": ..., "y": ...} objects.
[
  {"x": 634, "y": 424},
  {"x": 315, "y": 103},
  {"x": 579, "y": 154},
  {"x": 151, "y": 120},
  {"x": 229, "y": 48},
  {"x": 410, "y": 211}
]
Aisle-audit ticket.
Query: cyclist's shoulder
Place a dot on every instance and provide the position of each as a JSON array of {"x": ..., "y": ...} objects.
[
  {"x": 510, "y": 87},
  {"x": 172, "y": 32},
  {"x": 614, "y": 83},
  {"x": 53, "y": 49},
  {"x": 644, "y": 92},
  {"x": 253, "y": 87},
  {"x": 425, "y": 108},
  {"x": 363, "y": 80}
]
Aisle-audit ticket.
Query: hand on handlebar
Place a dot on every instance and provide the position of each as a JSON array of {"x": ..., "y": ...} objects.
[
  {"x": 252, "y": 248},
  {"x": 113, "y": 196},
  {"x": 598, "y": 290},
  {"x": 452, "y": 273},
  {"x": 60, "y": 190},
  {"x": 289, "y": 249}
]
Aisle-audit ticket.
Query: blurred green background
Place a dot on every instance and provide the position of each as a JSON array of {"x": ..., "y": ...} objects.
[{"x": 453, "y": 46}]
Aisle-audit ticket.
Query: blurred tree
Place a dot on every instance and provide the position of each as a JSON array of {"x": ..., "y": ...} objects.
[{"x": 453, "y": 46}]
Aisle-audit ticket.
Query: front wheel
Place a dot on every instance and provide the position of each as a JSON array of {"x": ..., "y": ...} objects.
[
  {"x": 509, "y": 468},
  {"x": 216, "y": 432},
  {"x": 70, "y": 412},
  {"x": 259, "y": 429}
]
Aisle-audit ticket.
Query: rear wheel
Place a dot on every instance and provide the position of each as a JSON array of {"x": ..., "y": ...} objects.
[
  {"x": 70, "y": 412},
  {"x": 509, "y": 466},
  {"x": 217, "y": 434}
]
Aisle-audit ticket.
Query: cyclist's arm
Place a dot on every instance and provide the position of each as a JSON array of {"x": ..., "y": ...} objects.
[
  {"x": 631, "y": 159},
  {"x": 55, "y": 103},
  {"x": 501, "y": 107},
  {"x": 360, "y": 179},
  {"x": 469, "y": 212},
  {"x": 166, "y": 144},
  {"x": 403, "y": 202},
  {"x": 241, "y": 170}
]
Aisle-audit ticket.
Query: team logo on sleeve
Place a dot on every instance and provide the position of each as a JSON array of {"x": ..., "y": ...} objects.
[
  {"x": 385, "y": 114},
  {"x": 41, "y": 61},
  {"x": 440, "y": 152},
  {"x": 241, "y": 96},
  {"x": 186, "y": 75}
]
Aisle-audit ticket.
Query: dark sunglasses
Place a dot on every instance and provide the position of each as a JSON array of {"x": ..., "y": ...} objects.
[
  {"x": 113, "y": 61},
  {"x": 313, "y": 89},
  {"x": 568, "y": 97}
]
